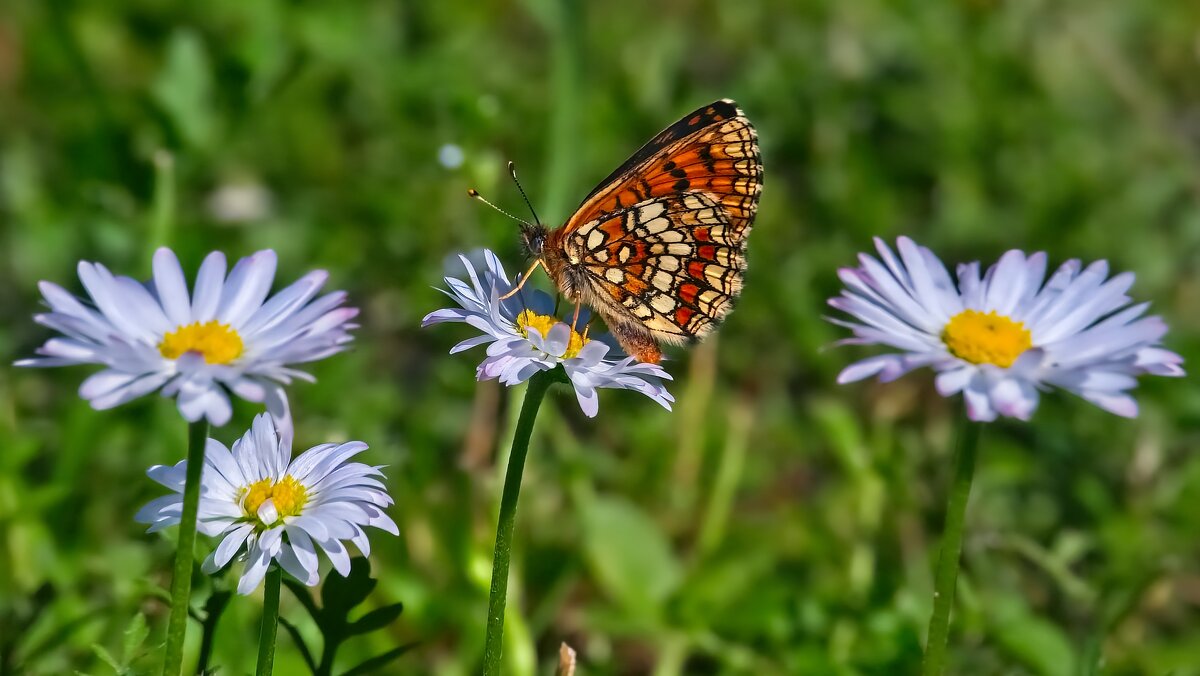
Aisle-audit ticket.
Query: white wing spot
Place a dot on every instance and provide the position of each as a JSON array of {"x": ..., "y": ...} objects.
[
  {"x": 716, "y": 274},
  {"x": 614, "y": 275},
  {"x": 652, "y": 210},
  {"x": 662, "y": 304},
  {"x": 657, "y": 225},
  {"x": 706, "y": 300},
  {"x": 595, "y": 239}
]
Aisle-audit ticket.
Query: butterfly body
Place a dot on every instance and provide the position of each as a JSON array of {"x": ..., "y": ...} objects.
[{"x": 657, "y": 249}]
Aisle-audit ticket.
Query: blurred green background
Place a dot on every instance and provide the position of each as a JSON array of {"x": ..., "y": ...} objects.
[{"x": 774, "y": 523}]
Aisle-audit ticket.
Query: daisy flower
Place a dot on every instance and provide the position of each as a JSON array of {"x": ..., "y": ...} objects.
[
  {"x": 523, "y": 336},
  {"x": 260, "y": 501},
  {"x": 1003, "y": 337},
  {"x": 226, "y": 336}
]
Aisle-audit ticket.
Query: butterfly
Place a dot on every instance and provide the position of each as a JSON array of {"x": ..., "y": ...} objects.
[{"x": 657, "y": 249}]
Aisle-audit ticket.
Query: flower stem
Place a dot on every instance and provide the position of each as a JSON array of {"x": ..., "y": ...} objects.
[
  {"x": 181, "y": 582},
  {"x": 948, "y": 559},
  {"x": 494, "y": 643},
  {"x": 163, "y": 210},
  {"x": 270, "y": 622},
  {"x": 566, "y": 30}
]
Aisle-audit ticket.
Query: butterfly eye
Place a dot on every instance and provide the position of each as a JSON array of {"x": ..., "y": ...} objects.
[{"x": 534, "y": 238}]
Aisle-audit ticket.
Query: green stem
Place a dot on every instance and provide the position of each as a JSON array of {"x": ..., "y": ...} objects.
[
  {"x": 494, "y": 643},
  {"x": 566, "y": 29},
  {"x": 163, "y": 210},
  {"x": 270, "y": 622},
  {"x": 948, "y": 559},
  {"x": 181, "y": 583}
]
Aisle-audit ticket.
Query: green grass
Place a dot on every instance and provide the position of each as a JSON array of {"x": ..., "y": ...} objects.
[{"x": 774, "y": 522}]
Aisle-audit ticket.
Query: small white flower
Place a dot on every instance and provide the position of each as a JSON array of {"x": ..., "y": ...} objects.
[
  {"x": 1003, "y": 337},
  {"x": 523, "y": 336},
  {"x": 222, "y": 336},
  {"x": 280, "y": 509},
  {"x": 451, "y": 156}
]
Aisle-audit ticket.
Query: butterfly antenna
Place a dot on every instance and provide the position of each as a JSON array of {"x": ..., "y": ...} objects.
[
  {"x": 475, "y": 193},
  {"x": 512, "y": 171}
]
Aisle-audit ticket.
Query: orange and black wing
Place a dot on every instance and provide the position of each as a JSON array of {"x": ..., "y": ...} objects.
[
  {"x": 713, "y": 151},
  {"x": 672, "y": 263}
]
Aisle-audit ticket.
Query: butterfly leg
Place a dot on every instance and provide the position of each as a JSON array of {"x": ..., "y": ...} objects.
[
  {"x": 524, "y": 278},
  {"x": 575, "y": 317}
]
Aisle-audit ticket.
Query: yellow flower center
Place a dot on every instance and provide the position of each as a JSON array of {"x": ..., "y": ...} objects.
[
  {"x": 986, "y": 338},
  {"x": 528, "y": 319},
  {"x": 288, "y": 495},
  {"x": 218, "y": 343}
]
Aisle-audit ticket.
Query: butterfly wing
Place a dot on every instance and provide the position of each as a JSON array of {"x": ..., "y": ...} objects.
[
  {"x": 671, "y": 264},
  {"x": 713, "y": 150}
]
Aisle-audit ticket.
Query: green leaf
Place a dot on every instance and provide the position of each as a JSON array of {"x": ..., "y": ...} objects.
[
  {"x": 376, "y": 619},
  {"x": 1039, "y": 644},
  {"x": 108, "y": 659},
  {"x": 340, "y": 594},
  {"x": 630, "y": 557},
  {"x": 379, "y": 661},
  {"x": 184, "y": 89},
  {"x": 135, "y": 635}
]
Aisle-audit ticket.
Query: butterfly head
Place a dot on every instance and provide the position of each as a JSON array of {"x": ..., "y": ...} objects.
[{"x": 533, "y": 236}]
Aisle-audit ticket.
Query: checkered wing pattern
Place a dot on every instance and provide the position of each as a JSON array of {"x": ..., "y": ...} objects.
[
  {"x": 657, "y": 247},
  {"x": 672, "y": 263},
  {"x": 714, "y": 150}
]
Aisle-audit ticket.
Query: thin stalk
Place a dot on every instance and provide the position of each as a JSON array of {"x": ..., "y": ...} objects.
[
  {"x": 494, "y": 643},
  {"x": 181, "y": 582},
  {"x": 725, "y": 483},
  {"x": 948, "y": 559},
  {"x": 270, "y": 622},
  {"x": 163, "y": 209},
  {"x": 566, "y": 31}
]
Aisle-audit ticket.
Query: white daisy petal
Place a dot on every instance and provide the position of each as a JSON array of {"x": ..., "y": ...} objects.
[
  {"x": 165, "y": 508},
  {"x": 979, "y": 404},
  {"x": 227, "y": 336},
  {"x": 291, "y": 564},
  {"x": 137, "y": 387},
  {"x": 256, "y": 570},
  {"x": 256, "y": 494},
  {"x": 172, "y": 287},
  {"x": 338, "y": 555},
  {"x": 953, "y": 381},
  {"x": 230, "y": 544},
  {"x": 304, "y": 552},
  {"x": 1016, "y": 336}
]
